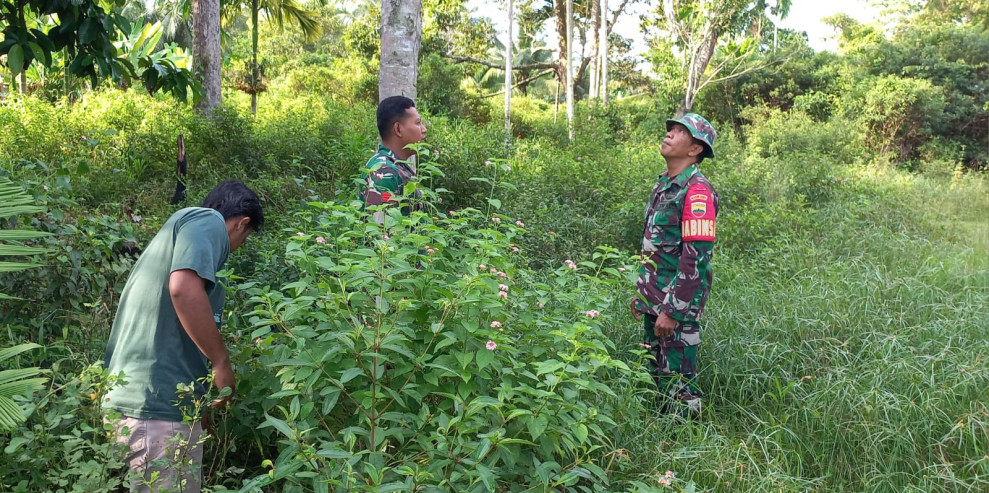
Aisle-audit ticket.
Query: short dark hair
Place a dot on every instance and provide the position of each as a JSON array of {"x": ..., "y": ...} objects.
[
  {"x": 233, "y": 199},
  {"x": 390, "y": 110}
]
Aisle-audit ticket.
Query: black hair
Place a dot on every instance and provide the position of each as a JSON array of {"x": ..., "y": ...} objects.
[
  {"x": 233, "y": 199},
  {"x": 390, "y": 110}
]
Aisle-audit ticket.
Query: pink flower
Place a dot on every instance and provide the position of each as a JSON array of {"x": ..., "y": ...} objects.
[
  {"x": 495, "y": 324},
  {"x": 387, "y": 237},
  {"x": 503, "y": 287},
  {"x": 539, "y": 304},
  {"x": 570, "y": 264},
  {"x": 320, "y": 240},
  {"x": 520, "y": 224},
  {"x": 45, "y": 187},
  {"x": 496, "y": 219},
  {"x": 493, "y": 269},
  {"x": 621, "y": 269},
  {"x": 430, "y": 251},
  {"x": 300, "y": 233},
  {"x": 487, "y": 163},
  {"x": 592, "y": 313},
  {"x": 502, "y": 275},
  {"x": 664, "y": 481},
  {"x": 670, "y": 474},
  {"x": 491, "y": 346},
  {"x": 482, "y": 267},
  {"x": 503, "y": 294},
  {"x": 508, "y": 168},
  {"x": 436, "y": 152},
  {"x": 578, "y": 158},
  {"x": 515, "y": 249}
]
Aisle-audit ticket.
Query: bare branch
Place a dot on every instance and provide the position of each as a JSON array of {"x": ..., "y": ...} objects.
[
  {"x": 527, "y": 66},
  {"x": 614, "y": 17},
  {"x": 519, "y": 83}
]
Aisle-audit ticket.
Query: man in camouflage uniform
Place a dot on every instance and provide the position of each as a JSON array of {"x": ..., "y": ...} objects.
[
  {"x": 385, "y": 175},
  {"x": 675, "y": 276}
]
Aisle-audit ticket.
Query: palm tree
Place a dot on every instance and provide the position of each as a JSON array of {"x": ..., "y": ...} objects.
[
  {"x": 174, "y": 15},
  {"x": 18, "y": 381},
  {"x": 279, "y": 12}
]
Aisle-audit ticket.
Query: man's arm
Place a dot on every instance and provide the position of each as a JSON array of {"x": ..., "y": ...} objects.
[
  {"x": 694, "y": 262},
  {"x": 381, "y": 187},
  {"x": 698, "y": 225},
  {"x": 188, "y": 292}
]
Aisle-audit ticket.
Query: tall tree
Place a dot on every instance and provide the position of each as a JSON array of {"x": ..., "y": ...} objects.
[
  {"x": 566, "y": 51},
  {"x": 696, "y": 27},
  {"x": 279, "y": 12},
  {"x": 530, "y": 21},
  {"x": 401, "y": 39},
  {"x": 508, "y": 78},
  {"x": 206, "y": 51},
  {"x": 603, "y": 63},
  {"x": 592, "y": 91}
]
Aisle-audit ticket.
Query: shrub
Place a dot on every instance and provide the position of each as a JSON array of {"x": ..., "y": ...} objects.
[{"x": 413, "y": 356}]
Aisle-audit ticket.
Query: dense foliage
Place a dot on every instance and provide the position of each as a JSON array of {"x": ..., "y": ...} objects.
[{"x": 485, "y": 344}]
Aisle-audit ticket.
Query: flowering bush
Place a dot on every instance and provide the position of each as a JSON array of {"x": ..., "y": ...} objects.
[{"x": 405, "y": 370}]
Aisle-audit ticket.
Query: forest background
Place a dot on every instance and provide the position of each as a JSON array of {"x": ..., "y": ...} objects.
[{"x": 844, "y": 340}]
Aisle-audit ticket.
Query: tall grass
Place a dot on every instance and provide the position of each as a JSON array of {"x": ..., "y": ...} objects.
[
  {"x": 844, "y": 341},
  {"x": 849, "y": 357}
]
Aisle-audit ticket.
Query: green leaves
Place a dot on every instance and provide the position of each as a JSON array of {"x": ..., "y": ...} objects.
[
  {"x": 14, "y": 201},
  {"x": 17, "y": 382},
  {"x": 15, "y": 59},
  {"x": 421, "y": 344}
]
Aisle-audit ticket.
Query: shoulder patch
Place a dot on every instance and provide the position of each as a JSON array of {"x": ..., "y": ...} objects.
[{"x": 699, "y": 214}]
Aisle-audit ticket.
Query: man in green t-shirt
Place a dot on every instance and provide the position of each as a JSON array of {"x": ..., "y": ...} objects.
[
  {"x": 166, "y": 328},
  {"x": 385, "y": 175}
]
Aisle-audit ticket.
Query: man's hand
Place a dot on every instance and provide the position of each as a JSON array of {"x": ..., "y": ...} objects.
[
  {"x": 635, "y": 312},
  {"x": 223, "y": 377},
  {"x": 665, "y": 326}
]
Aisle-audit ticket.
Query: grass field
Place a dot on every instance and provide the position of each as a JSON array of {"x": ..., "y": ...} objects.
[{"x": 850, "y": 357}]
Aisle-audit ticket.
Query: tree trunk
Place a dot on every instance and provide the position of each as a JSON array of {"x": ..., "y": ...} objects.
[
  {"x": 560, "y": 12},
  {"x": 698, "y": 64},
  {"x": 604, "y": 52},
  {"x": 206, "y": 51},
  {"x": 401, "y": 32},
  {"x": 508, "y": 81},
  {"x": 596, "y": 50},
  {"x": 569, "y": 69},
  {"x": 255, "y": 75}
]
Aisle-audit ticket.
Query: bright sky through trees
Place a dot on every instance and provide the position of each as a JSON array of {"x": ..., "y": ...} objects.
[{"x": 805, "y": 15}]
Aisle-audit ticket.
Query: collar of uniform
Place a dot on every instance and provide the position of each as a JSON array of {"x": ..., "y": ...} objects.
[
  {"x": 680, "y": 180},
  {"x": 686, "y": 175},
  {"x": 384, "y": 151}
]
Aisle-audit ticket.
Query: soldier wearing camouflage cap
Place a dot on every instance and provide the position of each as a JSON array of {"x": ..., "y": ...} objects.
[{"x": 675, "y": 275}]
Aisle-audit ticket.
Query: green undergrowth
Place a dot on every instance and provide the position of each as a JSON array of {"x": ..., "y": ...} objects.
[{"x": 843, "y": 341}]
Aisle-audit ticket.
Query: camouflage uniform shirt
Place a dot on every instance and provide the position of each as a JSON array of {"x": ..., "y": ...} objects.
[
  {"x": 677, "y": 246},
  {"x": 384, "y": 177}
]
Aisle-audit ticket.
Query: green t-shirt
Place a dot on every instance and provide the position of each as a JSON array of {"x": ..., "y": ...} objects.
[{"x": 147, "y": 342}]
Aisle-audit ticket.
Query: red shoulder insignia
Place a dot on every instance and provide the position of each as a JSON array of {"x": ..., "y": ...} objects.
[{"x": 699, "y": 214}]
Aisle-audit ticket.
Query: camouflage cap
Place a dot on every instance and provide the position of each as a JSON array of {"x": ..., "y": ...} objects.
[{"x": 700, "y": 128}]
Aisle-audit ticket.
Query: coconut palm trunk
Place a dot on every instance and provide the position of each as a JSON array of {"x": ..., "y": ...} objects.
[
  {"x": 401, "y": 37},
  {"x": 206, "y": 51}
]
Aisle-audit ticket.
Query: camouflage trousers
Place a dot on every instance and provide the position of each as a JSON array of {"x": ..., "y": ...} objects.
[{"x": 674, "y": 361}]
